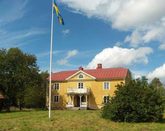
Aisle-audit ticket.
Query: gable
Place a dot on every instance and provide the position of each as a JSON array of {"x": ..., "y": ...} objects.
[
  {"x": 80, "y": 75},
  {"x": 92, "y": 74}
]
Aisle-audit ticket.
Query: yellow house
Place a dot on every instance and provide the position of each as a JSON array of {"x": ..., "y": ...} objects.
[{"x": 86, "y": 88}]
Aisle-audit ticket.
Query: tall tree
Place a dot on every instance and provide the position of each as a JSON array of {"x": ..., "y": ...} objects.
[
  {"x": 135, "y": 101},
  {"x": 2, "y": 68},
  {"x": 35, "y": 95},
  {"x": 158, "y": 85},
  {"x": 19, "y": 71}
]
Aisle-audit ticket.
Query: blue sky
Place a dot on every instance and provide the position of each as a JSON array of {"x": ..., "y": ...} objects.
[{"x": 115, "y": 33}]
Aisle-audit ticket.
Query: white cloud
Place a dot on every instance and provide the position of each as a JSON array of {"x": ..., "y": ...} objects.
[
  {"x": 71, "y": 53},
  {"x": 12, "y": 10},
  {"x": 118, "y": 44},
  {"x": 154, "y": 33},
  {"x": 162, "y": 46},
  {"x": 159, "y": 73},
  {"x": 144, "y": 18},
  {"x": 119, "y": 57},
  {"x": 136, "y": 75},
  {"x": 65, "y": 60},
  {"x": 123, "y": 14},
  {"x": 146, "y": 34},
  {"x": 45, "y": 54},
  {"x": 18, "y": 38},
  {"x": 66, "y": 32},
  {"x": 134, "y": 39}
]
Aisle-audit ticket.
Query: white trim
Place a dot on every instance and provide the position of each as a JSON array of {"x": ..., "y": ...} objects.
[
  {"x": 80, "y": 71},
  {"x": 78, "y": 85},
  {"x": 58, "y": 99},
  {"x": 79, "y": 76},
  {"x": 109, "y": 85},
  {"x": 103, "y": 98},
  {"x": 58, "y": 86},
  {"x": 78, "y": 91}
]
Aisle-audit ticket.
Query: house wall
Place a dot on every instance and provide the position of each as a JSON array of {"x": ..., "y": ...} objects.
[
  {"x": 95, "y": 98},
  {"x": 97, "y": 91}
]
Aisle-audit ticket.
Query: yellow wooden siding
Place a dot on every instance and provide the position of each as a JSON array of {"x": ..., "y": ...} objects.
[{"x": 97, "y": 91}]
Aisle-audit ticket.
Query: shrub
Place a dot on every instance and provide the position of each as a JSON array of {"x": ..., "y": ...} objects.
[{"x": 135, "y": 101}]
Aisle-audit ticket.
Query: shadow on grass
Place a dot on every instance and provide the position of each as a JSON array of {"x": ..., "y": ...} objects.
[
  {"x": 6, "y": 112},
  {"x": 24, "y": 110},
  {"x": 162, "y": 121}
]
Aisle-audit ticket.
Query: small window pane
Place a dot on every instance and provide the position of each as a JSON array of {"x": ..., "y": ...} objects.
[
  {"x": 106, "y": 85},
  {"x": 56, "y": 98},
  {"x": 106, "y": 99},
  {"x": 80, "y": 76},
  {"x": 56, "y": 86},
  {"x": 80, "y": 85}
]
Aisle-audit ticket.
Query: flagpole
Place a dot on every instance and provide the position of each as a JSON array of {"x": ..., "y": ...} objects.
[{"x": 51, "y": 56}]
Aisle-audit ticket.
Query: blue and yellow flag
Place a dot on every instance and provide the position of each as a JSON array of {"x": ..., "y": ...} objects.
[{"x": 60, "y": 19}]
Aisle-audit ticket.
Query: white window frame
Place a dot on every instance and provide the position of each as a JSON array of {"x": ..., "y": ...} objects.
[
  {"x": 55, "y": 87},
  {"x": 55, "y": 98},
  {"x": 106, "y": 101},
  {"x": 81, "y": 75},
  {"x": 80, "y": 85},
  {"x": 106, "y": 87}
]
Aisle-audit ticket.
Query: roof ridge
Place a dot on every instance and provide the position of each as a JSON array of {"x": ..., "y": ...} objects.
[
  {"x": 108, "y": 68},
  {"x": 64, "y": 71},
  {"x": 91, "y": 69},
  {"x": 104, "y": 73}
]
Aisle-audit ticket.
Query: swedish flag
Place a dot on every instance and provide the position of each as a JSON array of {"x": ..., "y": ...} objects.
[{"x": 60, "y": 19}]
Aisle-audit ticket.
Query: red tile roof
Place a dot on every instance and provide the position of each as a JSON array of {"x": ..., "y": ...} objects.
[{"x": 103, "y": 73}]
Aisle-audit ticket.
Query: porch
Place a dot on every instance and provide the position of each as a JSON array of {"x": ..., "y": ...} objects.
[{"x": 77, "y": 98}]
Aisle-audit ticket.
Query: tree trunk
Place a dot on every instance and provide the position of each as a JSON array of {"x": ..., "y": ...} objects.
[{"x": 20, "y": 104}]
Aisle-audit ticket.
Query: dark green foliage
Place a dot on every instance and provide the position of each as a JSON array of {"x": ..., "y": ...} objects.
[
  {"x": 19, "y": 78},
  {"x": 135, "y": 101},
  {"x": 156, "y": 83},
  {"x": 35, "y": 96}
]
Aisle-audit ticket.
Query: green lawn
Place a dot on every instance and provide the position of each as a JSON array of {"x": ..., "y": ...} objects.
[{"x": 65, "y": 120}]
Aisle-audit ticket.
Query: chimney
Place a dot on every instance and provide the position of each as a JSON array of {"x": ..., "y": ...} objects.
[
  {"x": 81, "y": 68},
  {"x": 99, "y": 66}
]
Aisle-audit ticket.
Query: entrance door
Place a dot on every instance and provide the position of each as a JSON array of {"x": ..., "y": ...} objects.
[{"x": 77, "y": 101}]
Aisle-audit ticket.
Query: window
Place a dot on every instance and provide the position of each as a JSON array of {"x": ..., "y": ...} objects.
[
  {"x": 56, "y": 99},
  {"x": 56, "y": 86},
  {"x": 106, "y": 99},
  {"x": 106, "y": 85},
  {"x": 83, "y": 99},
  {"x": 80, "y": 85},
  {"x": 81, "y": 76}
]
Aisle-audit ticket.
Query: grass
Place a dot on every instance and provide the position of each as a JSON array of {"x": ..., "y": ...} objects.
[{"x": 65, "y": 120}]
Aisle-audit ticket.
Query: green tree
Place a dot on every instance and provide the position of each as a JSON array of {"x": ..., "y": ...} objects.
[
  {"x": 35, "y": 95},
  {"x": 158, "y": 85},
  {"x": 2, "y": 68},
  {"x": 3, "y": 78},
  {"x": 18, "y": 71},
  {"x": 42, "y": 95},
  {"x": 135, "y": 101}
]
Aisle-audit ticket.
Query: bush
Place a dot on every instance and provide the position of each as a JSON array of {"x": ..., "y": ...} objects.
[{"x": 135, "y": 101}]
